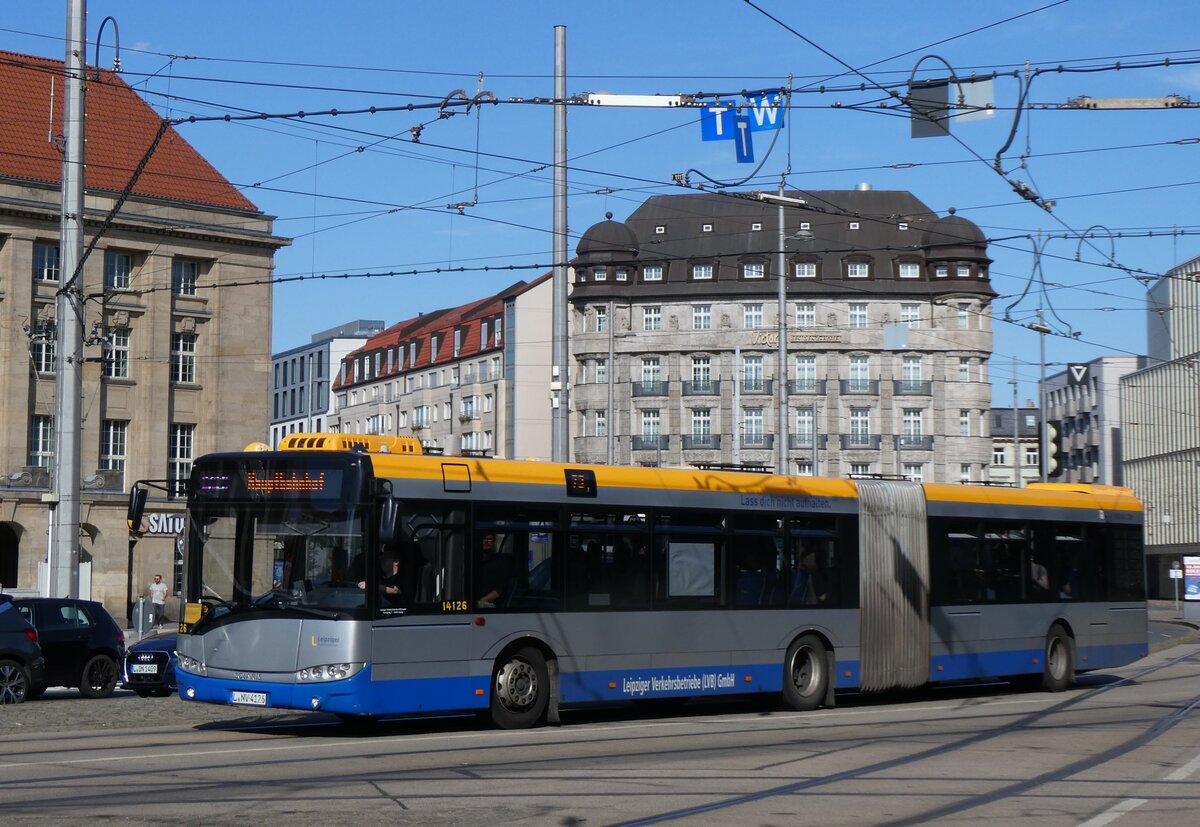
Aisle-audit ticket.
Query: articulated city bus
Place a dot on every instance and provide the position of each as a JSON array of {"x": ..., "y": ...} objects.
[{"x": 359, "y": 576}]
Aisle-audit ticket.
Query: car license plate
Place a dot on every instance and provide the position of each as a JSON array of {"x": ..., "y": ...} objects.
[
  {"x": 249, "y": 698},
  {"x": 143, "y": 669}
]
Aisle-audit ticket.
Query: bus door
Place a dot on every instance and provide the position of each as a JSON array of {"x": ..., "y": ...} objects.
[
  {"x": 893, "y": 585},
  {"x": 424, "y": 630}
]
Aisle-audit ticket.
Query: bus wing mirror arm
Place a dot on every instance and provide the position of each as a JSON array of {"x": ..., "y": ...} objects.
[{"x": 388, "y": 511}]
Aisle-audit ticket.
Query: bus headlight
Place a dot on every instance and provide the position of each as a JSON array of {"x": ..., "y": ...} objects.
[
  {"x": 191, "y": 665},
  {"x": 328, "y": 672}
]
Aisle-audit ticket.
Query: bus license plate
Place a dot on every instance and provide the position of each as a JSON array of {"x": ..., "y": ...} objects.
[
  {"x": 143, "y": 669},
  {"x": 249, "y": 698}
]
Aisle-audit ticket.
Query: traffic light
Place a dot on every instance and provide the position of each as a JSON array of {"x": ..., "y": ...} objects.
[{"x": 1051, "y": 461}]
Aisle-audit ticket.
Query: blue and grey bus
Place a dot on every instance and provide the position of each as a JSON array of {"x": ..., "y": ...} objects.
[{"x": 359, "y": 576}]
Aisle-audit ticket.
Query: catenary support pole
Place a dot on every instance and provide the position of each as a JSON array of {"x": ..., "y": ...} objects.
[
  {"x": 63, "y": 562},
  {"x": 559, "y": 370}
]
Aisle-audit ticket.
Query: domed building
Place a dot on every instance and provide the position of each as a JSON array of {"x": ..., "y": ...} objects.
[{"x": 886, "y": 329}]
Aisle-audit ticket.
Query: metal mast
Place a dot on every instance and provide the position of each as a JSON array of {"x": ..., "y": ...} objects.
[{"x": 63, "y": 558}]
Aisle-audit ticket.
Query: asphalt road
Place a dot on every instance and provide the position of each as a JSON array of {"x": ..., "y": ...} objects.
[{"x": 1122, "y": 747}]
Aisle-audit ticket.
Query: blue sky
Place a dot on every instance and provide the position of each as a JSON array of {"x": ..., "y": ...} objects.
[{"x": 384, "y": 208}]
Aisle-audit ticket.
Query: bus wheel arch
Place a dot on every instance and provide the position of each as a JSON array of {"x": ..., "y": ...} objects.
[
  {"x": 808, "y": 673},
  {"x": 524, "y": 688}
]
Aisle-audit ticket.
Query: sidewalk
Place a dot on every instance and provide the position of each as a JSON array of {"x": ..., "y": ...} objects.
[{"x": 1167, "y": 611}]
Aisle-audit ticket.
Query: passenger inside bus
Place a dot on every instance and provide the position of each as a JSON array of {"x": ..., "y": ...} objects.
[
  {"x": 391, "y": 592},
  {"x": 810, "y": 585},
  {"x": 492, "y": 572}
]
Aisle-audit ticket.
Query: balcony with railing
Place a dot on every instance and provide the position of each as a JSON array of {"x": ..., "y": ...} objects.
[
  {"x": 865, "y": 387},
  {"x": 805, "y": 441},
  {"x": 758, "y": 441},
  {"x": 914, "y": 442},
  {"x": 651, "y": 388},
  {"x": 757, "y": 386},
  {"x": 912, "y": 387},
  {"x": 702, "y": 387},
  {"x": 861, "y": 442},
  {"x": 701, "y": 442},
  {"x": 816, "y": 386},
  {"x": 644, "y": 442}
]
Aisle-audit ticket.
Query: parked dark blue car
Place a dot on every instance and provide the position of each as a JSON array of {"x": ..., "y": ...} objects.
[{"x": 149, "y": 667}]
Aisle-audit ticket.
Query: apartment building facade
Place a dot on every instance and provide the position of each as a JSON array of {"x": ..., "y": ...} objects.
[
  {"x": 1016, "y": 446},
  {"x": 302, "y": 378},
  {"x": 1160, "y": 437},
  {"x": 886, "y": 323},
  {"x": 176, "y": 357},
  {"x": 471, "y": 378}
]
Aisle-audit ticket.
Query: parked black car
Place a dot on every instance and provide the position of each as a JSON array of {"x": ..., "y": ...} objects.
[
  {"x": 150, "y": 665},
  {"x": 82, "y": 644},
  {"x": 21, "y": 663}
]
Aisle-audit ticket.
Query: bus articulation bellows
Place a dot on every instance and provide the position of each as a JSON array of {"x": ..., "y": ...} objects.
[{"x": 356, "y": 575}]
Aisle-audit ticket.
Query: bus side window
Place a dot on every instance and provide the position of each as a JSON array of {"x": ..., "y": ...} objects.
[{"x": 433, "y": 541}]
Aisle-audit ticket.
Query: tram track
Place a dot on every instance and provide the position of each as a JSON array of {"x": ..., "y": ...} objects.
[
  {"x": 1161, "y": 725},
  {"x": 309, "y": 756}
]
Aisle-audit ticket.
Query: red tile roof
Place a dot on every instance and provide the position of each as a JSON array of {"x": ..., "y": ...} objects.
[
  {"x": 422, "y": 328},
  {"x": 120, "y": 128}
]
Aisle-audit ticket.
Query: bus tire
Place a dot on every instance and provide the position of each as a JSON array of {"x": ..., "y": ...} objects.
[
  {"x": 520, "y": 689},
  {"x": 805, "y": 674},
  {"x": 1058, "y": 661}
]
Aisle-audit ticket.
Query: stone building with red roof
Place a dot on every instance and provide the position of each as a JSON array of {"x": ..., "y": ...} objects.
[{"x": 177, "y": 324}]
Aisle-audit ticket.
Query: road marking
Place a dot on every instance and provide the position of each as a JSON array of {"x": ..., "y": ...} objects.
[
  {"x": 1114, "y": 812},
  {"x": 1185, "y": 772}
]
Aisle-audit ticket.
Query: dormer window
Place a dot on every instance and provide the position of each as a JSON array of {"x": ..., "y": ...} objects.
[
  {"x": 621, "y": 275},
  {"x": 756, "y": 226},
  {"x": 599, "y": 274},
  {"x": 702, "y": 272},
  {"x": 854, "y": 225},
  {"x": 753, "y": 270},
  {"x": 707, "y": 228},
  {"x": 660, "y": 230},
  {"x": 652, "y": 272},
  {"x": 857, "y": 270}
]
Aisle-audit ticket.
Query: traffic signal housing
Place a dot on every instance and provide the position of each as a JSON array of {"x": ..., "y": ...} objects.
[{"x": 1052, "y": 457}]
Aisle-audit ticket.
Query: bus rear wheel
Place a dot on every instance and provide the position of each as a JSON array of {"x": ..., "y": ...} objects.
[
  {"x": 520, "y": 689},
  {"x": 1058, "y": 662},
  {"x": 805, "y": 674}
]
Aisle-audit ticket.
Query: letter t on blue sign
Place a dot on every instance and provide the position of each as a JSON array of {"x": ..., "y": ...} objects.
[
  {"x": 743, "y": 146},
  {"x": 716, "y": 122}
]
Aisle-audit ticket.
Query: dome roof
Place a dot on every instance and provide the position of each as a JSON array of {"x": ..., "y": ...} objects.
[
  {"x": 953, "y": 231},
  {"x": 607, "y": 240}
]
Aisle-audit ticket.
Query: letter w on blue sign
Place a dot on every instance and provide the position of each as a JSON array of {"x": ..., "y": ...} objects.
[{"x": 718, "y": 119}]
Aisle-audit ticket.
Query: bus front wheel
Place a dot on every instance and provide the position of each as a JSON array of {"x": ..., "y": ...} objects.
[
  {"x": 520, "y": 689},
  {"x": 806, "y": 674}
]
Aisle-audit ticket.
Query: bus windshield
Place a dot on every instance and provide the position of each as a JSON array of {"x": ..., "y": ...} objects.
[{"x": 281, "y": 549}]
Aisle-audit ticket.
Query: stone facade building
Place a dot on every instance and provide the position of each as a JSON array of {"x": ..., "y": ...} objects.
[
  {"x": 176, "y": 363},
  {"x": 887, "y": 328}
]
